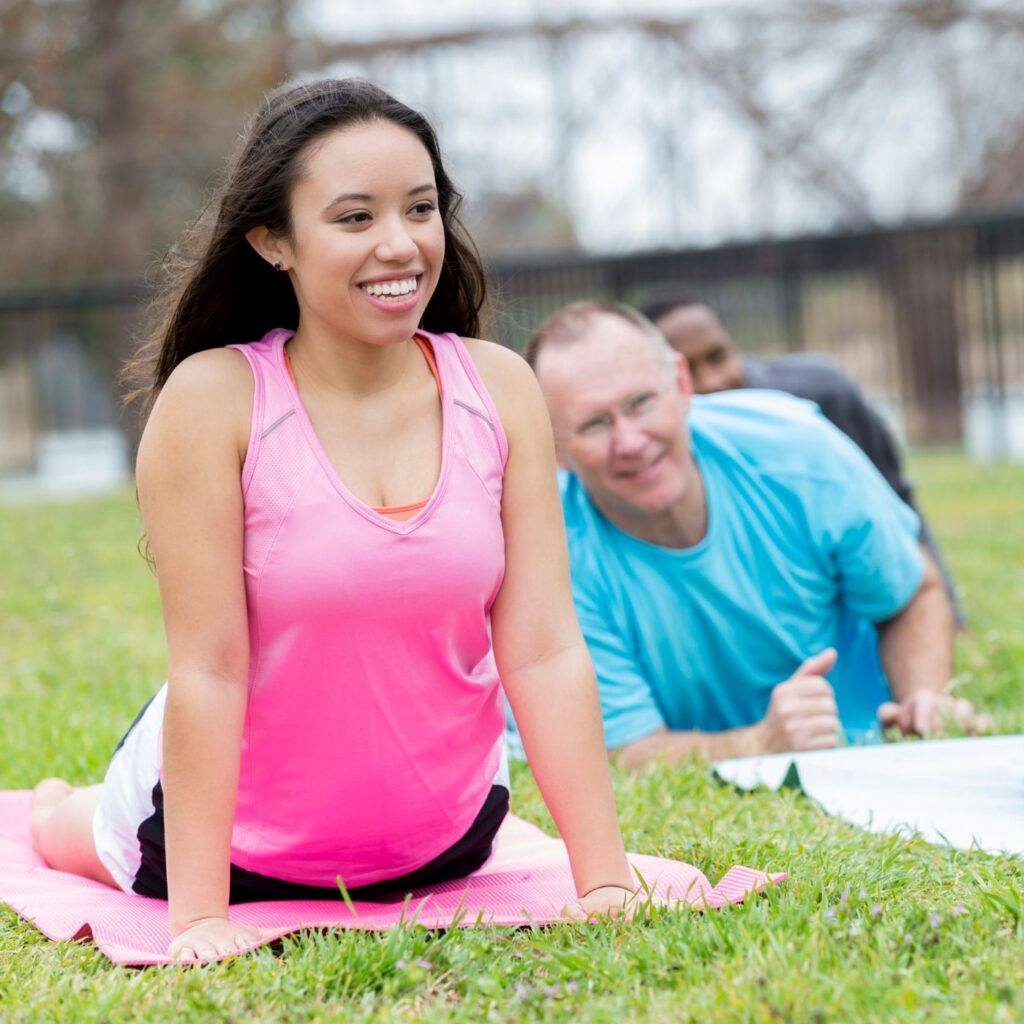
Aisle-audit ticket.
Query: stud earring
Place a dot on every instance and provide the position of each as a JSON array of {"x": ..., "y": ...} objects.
[{"x": 277, "y": 266}]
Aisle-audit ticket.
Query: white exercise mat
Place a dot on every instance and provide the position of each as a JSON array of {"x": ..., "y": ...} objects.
[{"x": 967, "y": 792}]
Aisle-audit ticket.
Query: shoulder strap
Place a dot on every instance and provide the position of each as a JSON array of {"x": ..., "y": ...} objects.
[{"x": 466, "y": 390}]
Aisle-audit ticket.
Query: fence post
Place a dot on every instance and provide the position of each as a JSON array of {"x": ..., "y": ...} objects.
[{"x": 923, "y": 275}]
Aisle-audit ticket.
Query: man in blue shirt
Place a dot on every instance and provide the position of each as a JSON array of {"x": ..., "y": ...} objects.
[
  {"x": 745, "y": 579},
  {"x": 693, "y": 328}
]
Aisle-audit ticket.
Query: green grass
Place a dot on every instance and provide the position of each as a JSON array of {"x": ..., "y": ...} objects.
[{"x": 868, "y": 927}]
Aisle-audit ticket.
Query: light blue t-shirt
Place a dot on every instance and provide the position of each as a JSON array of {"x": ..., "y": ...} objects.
[{"x": 807, "y": 547}]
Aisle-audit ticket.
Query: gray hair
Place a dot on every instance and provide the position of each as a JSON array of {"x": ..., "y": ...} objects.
[{"x": 571, "y": 323}]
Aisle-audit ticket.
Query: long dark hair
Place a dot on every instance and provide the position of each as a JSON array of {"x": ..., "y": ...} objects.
[{"x": 217, "y": 291}]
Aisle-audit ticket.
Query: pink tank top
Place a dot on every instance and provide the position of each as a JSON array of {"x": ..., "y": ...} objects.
[{"x": 374, "y": 724}]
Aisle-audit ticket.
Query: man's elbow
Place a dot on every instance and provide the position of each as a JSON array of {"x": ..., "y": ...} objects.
[
  {"x": 930, "y": 591},
  {"x": 932, "y": 576}
]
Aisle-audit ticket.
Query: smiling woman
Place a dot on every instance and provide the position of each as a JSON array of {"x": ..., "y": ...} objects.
[
  {"x": 351, "y": 504},
  {"x": 363, "y": 262},
  {"x": 219, "y": 290}
]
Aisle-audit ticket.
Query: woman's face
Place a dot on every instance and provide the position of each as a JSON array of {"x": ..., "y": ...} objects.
[{"x": 367, "y": 242}]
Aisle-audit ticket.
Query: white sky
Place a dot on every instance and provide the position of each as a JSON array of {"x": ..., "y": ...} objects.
[
  {"x": 498, "y": 128},
  {"x": 357, "y": 20},
  {"x": 496, "y": 109}
]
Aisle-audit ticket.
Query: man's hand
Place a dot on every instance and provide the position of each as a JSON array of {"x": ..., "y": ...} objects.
[
  {"x": 925, "y": 713},
  {"x": 802, "y": 713}
]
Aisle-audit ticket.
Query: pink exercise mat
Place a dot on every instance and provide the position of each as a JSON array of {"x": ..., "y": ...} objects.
[{"x": 527, "y": 881}]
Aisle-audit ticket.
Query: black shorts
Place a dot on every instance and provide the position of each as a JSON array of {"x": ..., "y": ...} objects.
[{"x": 459, "y": 860}]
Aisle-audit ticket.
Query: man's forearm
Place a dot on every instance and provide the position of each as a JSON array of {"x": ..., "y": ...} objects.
[
  {"x": 672, "y": 746},
  {"x": 916, "y": 645}
]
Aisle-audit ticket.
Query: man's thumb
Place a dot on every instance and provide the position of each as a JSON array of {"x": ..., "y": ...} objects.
[{"x": 818, "y": 664}]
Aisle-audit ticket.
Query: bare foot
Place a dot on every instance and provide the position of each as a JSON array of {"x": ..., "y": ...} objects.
[{"x": 46, "y": 797}]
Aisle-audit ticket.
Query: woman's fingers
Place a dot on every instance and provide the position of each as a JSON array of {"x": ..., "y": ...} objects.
[{"x": 215, "y": 939}]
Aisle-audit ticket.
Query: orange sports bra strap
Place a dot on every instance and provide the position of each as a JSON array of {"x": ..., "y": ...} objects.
[{"x": 428, "y": 353}]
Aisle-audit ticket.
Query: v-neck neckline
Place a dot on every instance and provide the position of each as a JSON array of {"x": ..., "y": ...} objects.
[{"x": 312, "y": 439}]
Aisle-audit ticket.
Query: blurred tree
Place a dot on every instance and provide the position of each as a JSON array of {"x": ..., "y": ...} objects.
[
  {"x": 106, "y": 122},
  {"x": 115, "y": 115},
  {"x": 520, "y": 224},
  {"x": 999, "y": 182},
  {"x": 565, "y": 130}
]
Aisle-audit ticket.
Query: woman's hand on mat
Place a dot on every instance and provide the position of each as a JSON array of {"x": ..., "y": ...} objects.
[
  {"x": 802, "y": 712},
  {"x": 213, "y": 938},
  {"x": 925, "y": 713},
  {"x": 608, "y": 901}
]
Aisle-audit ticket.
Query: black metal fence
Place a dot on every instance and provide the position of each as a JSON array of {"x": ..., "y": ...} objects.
[{"x": 929, "y": 318}]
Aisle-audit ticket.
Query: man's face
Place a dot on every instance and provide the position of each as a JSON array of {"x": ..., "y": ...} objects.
[
  {"x": 618, "y": 405},
  {"x": 698, "y": 335}
]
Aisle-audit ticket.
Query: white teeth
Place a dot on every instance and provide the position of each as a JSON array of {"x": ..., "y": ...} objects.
[{"x": 386, "y": 289}]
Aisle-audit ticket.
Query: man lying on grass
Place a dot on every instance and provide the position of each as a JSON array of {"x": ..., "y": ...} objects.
[
  {"x": 693, "y": 328},
  {"x": 746, "y": 580}
]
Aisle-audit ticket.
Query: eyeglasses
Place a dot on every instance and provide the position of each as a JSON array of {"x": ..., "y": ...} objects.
[{"x": 599, "y": 428}]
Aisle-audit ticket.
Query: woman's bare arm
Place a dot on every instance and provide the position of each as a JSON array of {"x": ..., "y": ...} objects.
[
  {"x": 189, "y": 484},
  {"x": 541, "y": 655}
]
